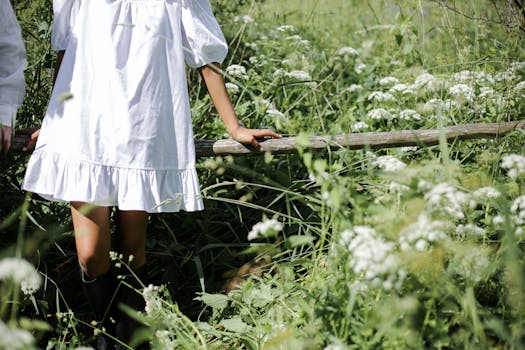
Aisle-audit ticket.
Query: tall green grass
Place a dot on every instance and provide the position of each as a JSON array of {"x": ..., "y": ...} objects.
[{"x": 454, "y": 271}]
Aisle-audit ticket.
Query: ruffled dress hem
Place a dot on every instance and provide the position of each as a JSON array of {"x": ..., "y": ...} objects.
[{"x": 72, "y": 180}]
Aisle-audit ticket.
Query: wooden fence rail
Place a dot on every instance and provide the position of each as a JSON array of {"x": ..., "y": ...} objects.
[{"x": 373, "y": 140}]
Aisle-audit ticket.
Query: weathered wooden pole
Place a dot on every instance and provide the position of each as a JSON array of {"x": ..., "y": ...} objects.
[{"x": 373, "y": 140}]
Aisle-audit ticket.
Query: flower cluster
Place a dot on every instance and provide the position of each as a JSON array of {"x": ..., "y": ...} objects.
[
  {"x": 389, "y": 163},
  {"x": 15, "y": 339},
  {"x": 267, "y": 228},
  {"x": 514, "y": 164},
  {"x": 372, "y": 257},
  {"x": 237, "y": 71},
  {"x": 446, "y": 199},
  {"x": 518, "y": 210},
  {"x": 422, "y": 234},
  {"x": 22, "y": 273},
  {"x": 347, "y": 50}
]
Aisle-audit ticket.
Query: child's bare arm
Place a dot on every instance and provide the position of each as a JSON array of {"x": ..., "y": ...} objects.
[{"x": 222, "y": 102}]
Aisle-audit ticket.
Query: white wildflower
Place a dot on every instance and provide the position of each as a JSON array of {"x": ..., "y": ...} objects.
[
  {"x": 266, "y": 103},
  {"x": 498, "y": 220},
  {"x": 507, "y": 76},
  {"x": 451, "y": 104},
  {"x": 408, "y": 149},
  {"x": 387, "y": 81},
  {"x": 371, "y": 256},
  {"x": 22, "y": 273},
  {"x": 358, "y": 126},
  {"x": 267, "y": 228},
  {"x": 486, "y": 193},
  {"x": 15, "y": 338},
  {"x": 432, "y": 105},
  {"x": 243, "y": 18},
  {"x": 232, "y": 88},
  {"x": 379, "y": 114},
  {"x": 465, "y": 76},
  {"x": 469, "y": 230},
  {"x": 252, "y": 46},
  {"x": 83, "y": 348},
  {"x": 298, "y": 39},
  {"x": 396, "y": 187},
  {"x": 471, "y": 264},
  {"x": 518, "y": 210},
  {"x": 426, "y": 82},
  {"x": 403, "y": 89},
  {"x": 424, "y": 186},
  {"x": 389, "y": 163},
  {"x": 515, "y": 66},
  {"x": 422, "y": 234},
  {"x": 380, "y": 96},
  {"x": 462, "y": 92},
  {"x": 347, "y": 50},
  {"x": 445, "y": 198},
  {"x": 163, "y": 339},
  {"x": 359, "y": 67},
  {"x": 354, "y": 88},
  {"x": 152, "y": 299},
  {"x": 514, "y": 164},
  {"x": 236, "y": 70},
  {"x": 299, "y": 75},
  {"x": 520, "y": 86},
  {"x": 409, "y": 115},
  {"x": 275, "y": 113},
  {"x": 286, "y": 28},
  {"x": 485, "y": 93}
]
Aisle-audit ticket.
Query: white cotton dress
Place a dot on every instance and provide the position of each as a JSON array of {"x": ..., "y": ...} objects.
[{"x": 117, "y": 131}]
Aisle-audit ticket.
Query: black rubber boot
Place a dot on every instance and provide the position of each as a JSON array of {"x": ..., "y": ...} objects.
[
  {"x": 131, "y": 297},
  {"x": 100, "y": 292}
]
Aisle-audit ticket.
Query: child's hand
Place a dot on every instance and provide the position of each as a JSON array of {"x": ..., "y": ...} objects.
[
  {"x": 32, "y": 137},
  {"x": 251, "y": 136}
]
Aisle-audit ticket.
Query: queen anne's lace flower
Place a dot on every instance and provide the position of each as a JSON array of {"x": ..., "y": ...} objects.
[
  {"x": 380, "y": 96},
  {"x": 232, "y": 88},
  {"x": 409, "y": 115},
  {"x": 371, "y": 255},
  {"x": 379, "y": 114},
  {"x": 347, "y": 50},
  {"x": 514, "y": 164},
  {"x": 386, "y": 81},
  {"x": 426, "y": 82},
  {"x": 422, "y": 234},
  {"x": 446, "y": 199},
  {"x": 237, "y": 71},
  {"x": 15, "y": 338},
  {"x": 462, "y": 92},
  {"x": 358, "y": 126},
  {"x": 265, "y": 228},
  {"x": 518, "y": 210},
  {"x": 22, "y": 273},
  {"x": 389, "y": 163}
]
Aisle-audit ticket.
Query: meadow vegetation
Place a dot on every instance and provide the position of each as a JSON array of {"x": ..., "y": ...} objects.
[{"x": 415, "y": 247}]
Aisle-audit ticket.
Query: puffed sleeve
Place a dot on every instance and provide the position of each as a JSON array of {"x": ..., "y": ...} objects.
[
  {"x": 64, "y": 15},
  {"x": 12, "y": 64},
  {"x": 202, "y": 38}
]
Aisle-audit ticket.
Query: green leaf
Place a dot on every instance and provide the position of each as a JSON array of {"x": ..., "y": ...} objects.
[
  {"x": 216, "y": 301},
  {"x": 297, "y": 241},
  {"x": 235, "y": 325}
]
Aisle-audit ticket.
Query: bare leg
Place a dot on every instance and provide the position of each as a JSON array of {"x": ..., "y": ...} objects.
[
  {"x": 132, "y": 226},
  {"x": 92, "y": 237}
]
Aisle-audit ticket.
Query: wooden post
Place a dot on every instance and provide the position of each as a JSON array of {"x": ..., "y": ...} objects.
[{"x": 373, "y": 140}]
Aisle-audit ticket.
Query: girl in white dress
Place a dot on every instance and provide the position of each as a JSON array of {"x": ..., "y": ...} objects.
[{"x": 117, "y": 131}]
